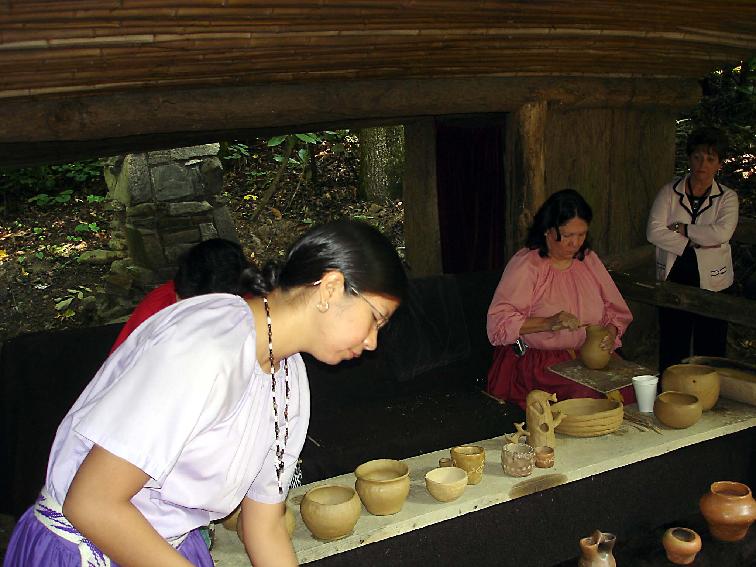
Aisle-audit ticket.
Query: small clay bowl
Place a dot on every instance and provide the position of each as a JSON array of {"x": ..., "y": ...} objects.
[
  {"x": 544, "y": 457},
  {"x": 445, "y": 462},
  {"x": 677, "y": 410},
  {"x": 330, "y": 512},
  {"x": 681, "y": 545},
  {"x": 446, "y": 483},
  {"x": 383, "y": 485}
]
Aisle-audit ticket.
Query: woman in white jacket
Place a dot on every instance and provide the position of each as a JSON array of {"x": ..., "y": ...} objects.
[{"x": 691, "y": 223}]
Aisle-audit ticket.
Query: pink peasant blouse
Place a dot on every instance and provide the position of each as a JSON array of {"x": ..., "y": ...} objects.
[{"x": 531, "y": 287}]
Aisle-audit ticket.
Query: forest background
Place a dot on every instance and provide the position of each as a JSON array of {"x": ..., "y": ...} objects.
[{"x": 53, "y": 217}]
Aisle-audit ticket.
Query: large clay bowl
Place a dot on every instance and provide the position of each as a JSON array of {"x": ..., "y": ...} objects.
[
  {"x": 697, "y": 379},
  {"x": 588, "y": 417},
  {"x": 677, "y": 409},
  {"x": 330, "y": 511},
  {"x": 446, "y": 483},
  {"x": 383, "y": 485}
]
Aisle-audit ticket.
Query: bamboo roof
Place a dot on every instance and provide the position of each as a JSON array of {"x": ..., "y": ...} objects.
[{"x": 74, "y": 47}]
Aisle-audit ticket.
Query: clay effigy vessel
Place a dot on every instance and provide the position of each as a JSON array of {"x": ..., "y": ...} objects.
[
  {"x": 696, "y": 379},
  {"x": 591, "y": 353},
  {"x": 330, "y": 512},
  {"x": 540, "y": 419},
  {"x": 729, "y": 510},
  {"x": 383, "y": 485},
  {"x": 681, "y": 545},
  {"x": 596, "y": 550}
]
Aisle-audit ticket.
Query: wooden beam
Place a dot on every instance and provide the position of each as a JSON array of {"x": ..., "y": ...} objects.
[
  {"x": 36, "y": 129},
  {"x": 722, "y": 306}
]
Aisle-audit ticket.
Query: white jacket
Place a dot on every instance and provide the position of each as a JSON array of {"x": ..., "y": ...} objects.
[{"x": 710, "y": 232}]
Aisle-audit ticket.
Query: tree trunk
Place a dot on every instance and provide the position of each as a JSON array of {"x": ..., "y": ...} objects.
[{"x": 381, "y": 163}]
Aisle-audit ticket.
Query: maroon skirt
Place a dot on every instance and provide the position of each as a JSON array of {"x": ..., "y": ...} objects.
[{"x": 512, "y": 377}]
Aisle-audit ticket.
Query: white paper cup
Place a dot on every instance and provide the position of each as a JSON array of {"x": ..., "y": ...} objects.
[{"x": 645, "y": 392}]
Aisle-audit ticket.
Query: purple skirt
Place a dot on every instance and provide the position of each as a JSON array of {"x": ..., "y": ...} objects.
[{"x": 34, "y": 545}]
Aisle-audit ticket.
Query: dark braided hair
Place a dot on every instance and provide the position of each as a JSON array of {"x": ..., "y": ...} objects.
[
  {"x": 360, "y": 252},
  {"x": 556, "y": 211}
]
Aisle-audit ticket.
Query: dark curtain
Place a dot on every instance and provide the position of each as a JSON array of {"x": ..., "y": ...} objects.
[{"x": 470, "y": 174}]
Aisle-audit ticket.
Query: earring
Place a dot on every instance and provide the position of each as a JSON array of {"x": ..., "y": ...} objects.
[{"x": 322, "y": 307}]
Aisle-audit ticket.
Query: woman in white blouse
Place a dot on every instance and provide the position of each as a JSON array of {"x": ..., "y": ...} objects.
[
  {"x": 204, "y": 406},
  {"x": 691, "y": 223}
]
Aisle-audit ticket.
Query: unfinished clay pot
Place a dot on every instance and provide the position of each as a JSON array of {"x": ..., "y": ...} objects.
[
  {"x": 544, "y": 457},
  {"x": 330, "y": 512},
  {"x": 729, "y": 510},
  {"x": 591, "y": 353},
  {"x": 383, "y": 485},
  {"x": 697, "y": 379},
  {"x": 596, "y": 550},
  {"x": 517, "y": 459},
  {"x": 589, "y": 417},
  {"x": 681, "y": 545},
  {"x": 472, "y": 459},
  {"x": 677, "y": 410},
  {"x": 446, "y": 483}
]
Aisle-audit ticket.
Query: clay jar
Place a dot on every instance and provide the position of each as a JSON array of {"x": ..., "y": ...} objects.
[
  {"x": 383, "y": 485},
  {"x": 330, "y": 512},
  {"x": 591, "y": 353},
  {"x": 729, "y": 510},
  {"x": 681, "y": 545},
  {"x": 696, "y": 379},
  {"x": 596, "y": 550},
  {"x": 471, "y": 459},
  {"x": 544, "y": 457},
  {"x": 517, "y": 459},
  {"x": 677, "y": 410}
]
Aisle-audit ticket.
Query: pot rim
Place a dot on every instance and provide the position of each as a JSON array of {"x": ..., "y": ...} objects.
[
  {"x": 719, "y": 486},
  {"x": 359, "y": 472},
  {"x": 663, "y": 398}
]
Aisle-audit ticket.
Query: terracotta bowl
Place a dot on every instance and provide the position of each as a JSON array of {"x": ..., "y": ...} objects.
[
  {"x": 697, "y": 379},
  {"x": 330, "y": 511},
  {"x": 677, "y": 409},
  {"x": 589, "y": 417},
  {"x": 383, "y": 485},
  {"x": 446, "y": 483}
]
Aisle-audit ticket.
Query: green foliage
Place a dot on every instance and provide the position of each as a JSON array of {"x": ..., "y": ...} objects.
[
  {"x": 233, "y": 155},
  {"x": 87, "y": 227},
  {"x": 44, "y": 200}
]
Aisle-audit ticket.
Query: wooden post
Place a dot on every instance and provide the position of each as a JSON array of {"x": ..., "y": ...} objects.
[
  {"x": 422, "y": 235},
  {"x": 526, "y": 167}
]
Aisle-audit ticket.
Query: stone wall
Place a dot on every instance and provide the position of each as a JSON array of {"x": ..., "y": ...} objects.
[{"x": 163, "y": 203}]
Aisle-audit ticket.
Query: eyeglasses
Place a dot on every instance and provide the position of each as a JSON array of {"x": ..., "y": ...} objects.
[{"x": 380, "y": 319}]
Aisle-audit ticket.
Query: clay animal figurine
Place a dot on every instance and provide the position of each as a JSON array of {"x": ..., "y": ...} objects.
[{"x": 540, "y": 420}]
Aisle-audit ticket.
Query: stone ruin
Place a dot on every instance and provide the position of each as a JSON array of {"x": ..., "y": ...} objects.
[{"x": 163, "y": 202}]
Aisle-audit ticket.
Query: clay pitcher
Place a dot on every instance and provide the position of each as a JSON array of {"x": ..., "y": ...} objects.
[
  {"x": 591, "y": 353},
  {"x": 596, "y": 550},
  {"x": 729, "y": 510}
]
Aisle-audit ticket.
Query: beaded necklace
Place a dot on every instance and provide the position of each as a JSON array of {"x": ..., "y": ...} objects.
[{"x": 279, "y": 448}]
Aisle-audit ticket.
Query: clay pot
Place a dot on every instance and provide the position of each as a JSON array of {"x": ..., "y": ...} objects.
[
  {"x": 517, "y": 459},
  {"x": 591, "y": 353},
  {"x": 681, "y": 545},
  {"x": 544, "y": 457},
  {"x": 677, "y": 410},
  {"x": 446, "y": 483},
  {"x": 330, "y": 512},
  {"x": 383, "y": 485},
  {"x": 472, "y": 459},
  {"x": 729, "y": 510},
  {"x": 445, "y": 462},
  {"x": 588, "y": 417},
  {"x": 596, "y": 550},
  {"x": 701, "y": 381}
]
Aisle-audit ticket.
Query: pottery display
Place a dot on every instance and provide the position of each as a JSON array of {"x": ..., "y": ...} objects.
[
  {"x": 677, "y": 410},
  {"x": 446, "y": 483},
  {"x": 591, "y": 353},
  {"x": 729, "y": 510},
  {"x": 589, "y": 417},
  {"x": 681, "y": 545},
  {"x": 517, "y": 459},
  {"x": 596, "y": 550},
  {"x": 544, "y": 457},
  {"x": 697, "y": 379},
  {"x": 383, "y": 485},
  {"x": 330, "y": 512},
  {"x": 472, "y": 459}
]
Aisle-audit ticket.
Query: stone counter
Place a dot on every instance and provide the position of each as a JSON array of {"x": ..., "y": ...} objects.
[{"x": 576, "y": 459}]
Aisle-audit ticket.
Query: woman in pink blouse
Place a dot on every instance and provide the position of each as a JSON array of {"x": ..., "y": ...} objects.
[{"x": 548, "y": 290}]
